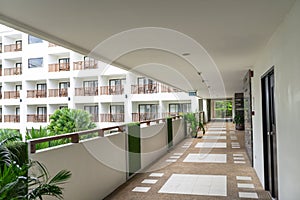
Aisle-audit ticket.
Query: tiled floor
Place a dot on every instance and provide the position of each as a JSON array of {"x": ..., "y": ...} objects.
[
  {"x": 213, "y": 167},
  {"x": 195, "y": 185}
]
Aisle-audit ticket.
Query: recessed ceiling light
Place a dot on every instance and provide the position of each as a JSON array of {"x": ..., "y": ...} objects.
[
  {"x": 199, "y": 73},
  {"x": 186, "y": 54}
]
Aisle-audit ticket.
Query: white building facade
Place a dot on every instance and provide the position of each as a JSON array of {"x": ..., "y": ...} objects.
[{"x": 38, "y": 77}]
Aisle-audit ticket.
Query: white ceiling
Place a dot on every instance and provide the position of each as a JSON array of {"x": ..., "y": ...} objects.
[{"x": 223, "y": 37}]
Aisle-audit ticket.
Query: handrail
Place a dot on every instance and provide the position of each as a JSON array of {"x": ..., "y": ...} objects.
[{"x": 75, "y": 136}]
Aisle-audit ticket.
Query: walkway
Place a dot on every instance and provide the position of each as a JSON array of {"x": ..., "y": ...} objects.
[{"x": 213, "y": 167}]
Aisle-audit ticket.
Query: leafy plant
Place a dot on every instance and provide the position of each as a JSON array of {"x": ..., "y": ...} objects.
[
  {"x": 70, "y": 120},
  {"x": 34, "y": 133},
  {"x": 239, "y": 119},
  {"x": 16, "y": 183},
  {"x": 194, "y": 125}
]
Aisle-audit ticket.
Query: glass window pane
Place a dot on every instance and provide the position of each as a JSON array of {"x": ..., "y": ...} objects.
[
  {"x": 35, "y": 62},
  {"x": 33, "y": 40}
]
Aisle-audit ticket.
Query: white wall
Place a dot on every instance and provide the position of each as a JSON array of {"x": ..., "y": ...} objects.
[
  {"x": 98, "y": 166},
  {"x": 154, "y": 143},
  {"x": 282, "y": 51}
]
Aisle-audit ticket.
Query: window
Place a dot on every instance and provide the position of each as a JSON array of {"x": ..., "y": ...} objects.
[
  {"x": 41, "y": 86},
  {"x": 116, "y": 86},
  {"x": 89, "y": 62},
  {"x": 62, "y": 107},
  {"x": 146, "y": 85},
  {"x": 179, "y": 108},
  {"x": 222, "y": 109},
  {"x": 17, "y": 110},
  {"x": 41, "y": 111},
  {"x": 34, "y": 40},
  {"x": 35, "y": 62},
  {"x": 117, "y": 113},
  {"x": 64, "y": 85},
  {"x": 64, "y": 64},
  {"x": 18, "y": 65},
  {"x": 148, "y": 111},
  {"x": 90, "y": 84},
  {"x": 18, "y": 87},
  {"x": 93, "y": 110},
  {"x": 19, "y": 45}
]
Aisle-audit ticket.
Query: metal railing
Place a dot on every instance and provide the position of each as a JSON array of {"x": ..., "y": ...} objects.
[
  {"x": 36, "y": 93},
  {"x": 12, "y": 118},
  {"x": 90, "y": 91},
  {"x": 36, "y": 118},
  {"x": 63, "y": 92},
  {"x": 13, "y": 47},
  {"x": 81, "y": 65},
  {"x": 59, "y": 67},
  {"x": 136, "y": 117},
  {"x": 115, "y": 117},
  {"x": 112, "y": 90},
  {"x": 75, "y": 137},
  {"x": 145, "y": 89},
  {"x": 12, "y": 71},
  {"x": 11, "y": 94}
]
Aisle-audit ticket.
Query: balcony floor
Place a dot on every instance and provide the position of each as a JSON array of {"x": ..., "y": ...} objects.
[{"x": 213, "y": 167}]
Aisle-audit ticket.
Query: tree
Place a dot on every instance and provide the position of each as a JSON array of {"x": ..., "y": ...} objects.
[{"x": 70, "y": 120}]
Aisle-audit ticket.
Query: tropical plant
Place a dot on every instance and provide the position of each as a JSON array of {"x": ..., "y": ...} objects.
[
  {"x": 70, "y": 120},
  {"x": 16, "y": 183},
  {"x": 9, "y": 133},
  {"x": 39, "y": 133},
  {"x": 194, "y": 125}
]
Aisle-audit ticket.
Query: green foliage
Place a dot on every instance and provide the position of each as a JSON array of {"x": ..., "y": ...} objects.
[
  {"x": 193, "y": 124},
  {"x": 16, "y": 183},
  {"x": 9, "y": 133},
  {"x": 223, "y": 108},
  {"x": 70, "y": 120},
  {"x": 239, "y": 119},
  {"x": 40, "y": 133}
]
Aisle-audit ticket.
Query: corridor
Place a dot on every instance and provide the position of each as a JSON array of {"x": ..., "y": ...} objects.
[{"x": 215, "y": 166}]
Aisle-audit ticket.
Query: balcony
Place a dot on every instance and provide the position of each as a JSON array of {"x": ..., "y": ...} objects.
[
  {"x": 36, "y": 118},
  {"x": 12, "y": 71},
  {"x": 0, "y": 47},
  {"x": 81, "y": 65},
  {"x": 136, "y": 117},
  {"x": 168, "y": 89},
  {"x": 92, "y": 91},
  {"x": 94, "y": 117},
  {"x": 58, "y": 92},
  {"x": 115, "y": 117},
  {"x": 144, "y": 89},
  {"x": 111, "y": 90},
  {"x": 170, "y": 114},
  {"x": 59, "y": 67},
  {"x": 12, "y": 118},
  {"x": 36, "y": 93},
  {"x": 11, "y": 94},
  {"x": 13, "y": 47}
]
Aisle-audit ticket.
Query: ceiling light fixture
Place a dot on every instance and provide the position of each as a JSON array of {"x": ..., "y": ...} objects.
[{"x": 186, "y": 54}]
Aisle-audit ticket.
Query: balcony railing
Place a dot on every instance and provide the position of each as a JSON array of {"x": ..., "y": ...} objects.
[
  {"x": 0, "y": 47},
  {"x": 112, "y": 90},
  {"x": 165, "y": 88},
  {"x": 12, "y": 118},
  {"x": 13, "y": 47},
  {"x": 11, "y": 94},
  {"x": 59, "y": 67},
  {"x": 115, "y": 117},
  {"x": 36, "y": 118},
  {"x": 36, "y": 93},
  {"x": 92, "y": 91},
  {"x": 94, "y": 117},
  {"x": 12, "y": 71},
  {"x": 144, "y": 89},
  {"x": 170, "y": 114},
  {"x": 58, "y": 92},
  {"x": 81, "y": 65},
  {"x": 144, "y": 116}
]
